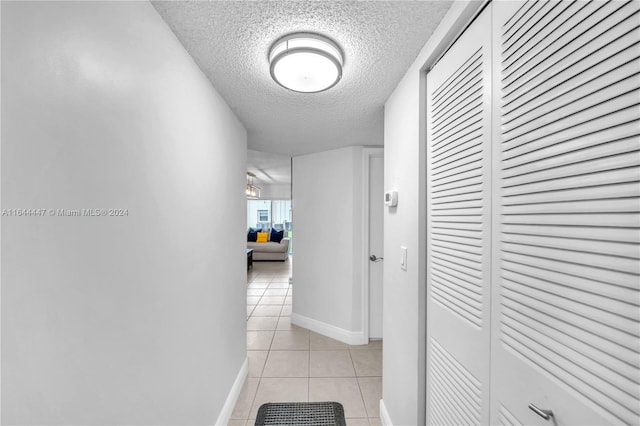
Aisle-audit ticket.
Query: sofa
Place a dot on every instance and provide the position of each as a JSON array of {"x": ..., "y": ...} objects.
[{"x": 269, "y": 250}]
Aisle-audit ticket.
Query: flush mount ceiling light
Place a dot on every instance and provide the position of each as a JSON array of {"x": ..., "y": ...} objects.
[{"x": 306, "y": 62}]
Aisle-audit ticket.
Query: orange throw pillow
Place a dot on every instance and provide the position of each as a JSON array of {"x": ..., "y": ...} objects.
[{"x": 262, "y": 237}]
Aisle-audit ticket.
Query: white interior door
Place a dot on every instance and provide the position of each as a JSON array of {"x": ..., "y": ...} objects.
[
  {"x": 566, "y": 300},
  {"x": 458, "y": 229},
  {"x": 376, "y": 244}
]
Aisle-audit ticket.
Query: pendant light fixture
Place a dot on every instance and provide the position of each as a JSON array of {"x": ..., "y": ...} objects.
[
  {"x": 306, "y": 62},
  {"x": 253, "y": 192}
]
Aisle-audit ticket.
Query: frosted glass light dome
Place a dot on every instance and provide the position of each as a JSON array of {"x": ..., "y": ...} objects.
[{"x": 306, "y": 62}]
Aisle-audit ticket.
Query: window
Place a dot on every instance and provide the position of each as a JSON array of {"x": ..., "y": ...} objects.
[{"x": 263, "y": 215}]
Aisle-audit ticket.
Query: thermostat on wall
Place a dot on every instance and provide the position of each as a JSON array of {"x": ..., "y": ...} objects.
[{"x": 391, "y": 198}]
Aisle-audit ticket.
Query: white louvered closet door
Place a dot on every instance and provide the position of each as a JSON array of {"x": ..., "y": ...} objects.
[
  {"x": 566, "y": 253},
  {"x": 458, "y": 228}
]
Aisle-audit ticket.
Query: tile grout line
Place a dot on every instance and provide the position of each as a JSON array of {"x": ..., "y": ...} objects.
[
  {"x": 359, "y": 387},
  {"x": 275, "y": 329}
]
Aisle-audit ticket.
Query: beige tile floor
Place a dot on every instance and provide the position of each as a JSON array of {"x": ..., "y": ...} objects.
[{"x": 289, "y": 363}]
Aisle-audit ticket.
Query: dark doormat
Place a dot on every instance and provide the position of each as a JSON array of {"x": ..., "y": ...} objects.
[{"x": 301, "y": 414}]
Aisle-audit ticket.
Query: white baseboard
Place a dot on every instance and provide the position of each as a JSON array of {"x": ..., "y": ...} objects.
[
  {"x": 384, "y": 415},
  {"x": 345, "y": 336},
  {"x": 234, "y": 393}
]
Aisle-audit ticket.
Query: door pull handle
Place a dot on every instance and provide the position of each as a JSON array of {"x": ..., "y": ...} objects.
[
  {"x": 545, "y": 414},
  {"x": 374, "y": 258}
]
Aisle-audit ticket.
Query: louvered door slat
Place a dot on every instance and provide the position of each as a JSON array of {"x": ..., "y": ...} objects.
[
  {"x": 459, "y": 181},
  {"x": 582, "y": 39},
  {"x": 458, "y": 157},
  {"x": 577, "y": 121},
  {"x": 566, "y": 35},
  {"x": 454, "y": 237},
  {"x": 468, "y": 292},
  {"x": 461, "y": 120},
  {"x": 459, "y": 99},
  {"x": 619, "y": 386},
  {"x": 513, "y": 297},
  {"x": 472, "y": 211},
  {"x": 588, "y": 285},
  {"x": 613, "y": 263},
  {"x": 574, "y": 299},
  {"x": 466, "y": 275},
  {"x": 451, "y": 199},
  {"x": 575, "y": 13},
  {"x": 602, "y": 180},
  {"x": 506, "y": 418},
  {"x": 611, "y": 127},
  {"x": 449, "y": 414},
  {"x": 451, "y": 294},
  {"x": 613, "y": 136},
  {"x": 453, "y": 78},
  {"x": 528, "y": 21},
  {"x": 548, "y": 160},
  {"x": 441, "y": 414},
  {"x": 471, "y": 190},
  {"x": 461, "y": 90},
  {"x": 457, "y": 102},
  {"x": 465, "y": 280},
  {"x": 623, "y": 190},
  {"x": 565, "y": 106},
  {"x": 525, "y": 99},
  {"x": 454, "y": 302},
  {"x": 535, "y": 42},
  {"x": 462, "y": 260},
  {"x": 627, "y": 221},
  {"x": 459, "y": 135},
  {"x": 608, "y": 280},
  {"x": 594, "y": 166},
  {"x": 458, "y": 267},
  {"x": 450, "y": 373},
  {"x": 599, "y": 205},
  {"x": 566, "y": 212},
  {"x": 467, "y": 163},
  {"x": 444, "y": 375},
  {"x": 462, "y": 245},
  {"x": 515, "y": 20},
  {"x": 564, "y": 369},
  {"x": 460, "y": 142},
  {"x": 607, "y": 248},
  {"x": 472, "y": 230},
  {"x": 620, "y": 73},
  {"x": 590, "y": 344},
  {"x": 455, "y": 380},
  {"x": 464, "y": 141},
  {"x": 595, "y": 233}
]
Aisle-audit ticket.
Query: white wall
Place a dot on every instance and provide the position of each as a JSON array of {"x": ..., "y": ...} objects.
[
  {"x": 404, "y": 313},
  {"x": 276, "y": 192},
  {"x": 327, "y": 216},
  {"x": 117, "y": 320}
]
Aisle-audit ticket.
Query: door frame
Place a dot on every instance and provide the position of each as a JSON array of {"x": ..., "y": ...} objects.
[{"x": 367, "y": 154}]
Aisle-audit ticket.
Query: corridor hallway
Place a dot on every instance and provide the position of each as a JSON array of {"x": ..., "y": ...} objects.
[{"x": 289, "y": 363}]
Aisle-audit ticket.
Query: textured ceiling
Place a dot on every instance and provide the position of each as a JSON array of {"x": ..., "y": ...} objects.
[
  {"x": 270, "y": 169},
  {"x": 230, "y": 41}
]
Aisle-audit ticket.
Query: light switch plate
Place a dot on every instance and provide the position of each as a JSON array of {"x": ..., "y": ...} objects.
[{"x": 403, "y": 258}]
